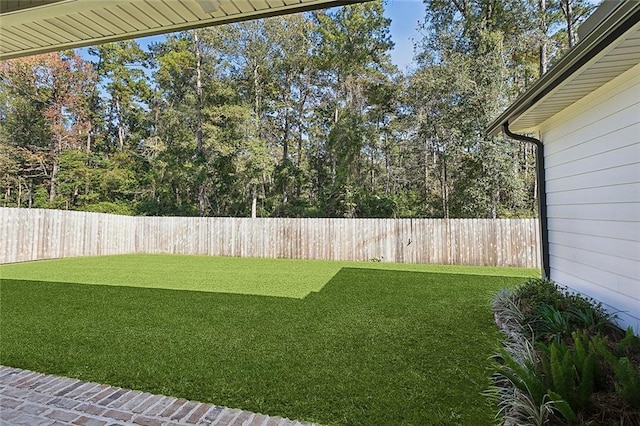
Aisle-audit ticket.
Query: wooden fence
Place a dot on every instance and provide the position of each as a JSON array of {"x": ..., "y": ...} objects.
[{"x": 32, "y": 234}]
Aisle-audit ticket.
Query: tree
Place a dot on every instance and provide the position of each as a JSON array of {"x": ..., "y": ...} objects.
[
  {"x": 353, "y": 58},
  {"x": 469, "y": 66},
  {"x": 47, "y": 111},
  {"x": 574, "y": 12},
  {"x": 302, "y": 115},
  {"x": 120, "y": 69}
]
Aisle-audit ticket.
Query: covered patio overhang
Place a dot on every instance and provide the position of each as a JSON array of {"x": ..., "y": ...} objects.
[{"x": 30, "y": 27}]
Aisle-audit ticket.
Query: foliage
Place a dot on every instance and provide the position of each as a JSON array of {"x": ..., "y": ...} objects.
[
  {"x": 109, "y": 207},
  {"x": 553, "y": 312},
  {"x": 570, "y": 373},
  {"x": 579, "y": 354},
  {"x": 507, "y": 313},
  {"x": 628, "y": 344},
  {"x": 559, "y": 377},
  {"x": 627, "y": 380},
  {"x": 45, "y": 112},
  {"x": 523, "y": 374},
  {"x": 626, "y": 375},
  {"x": 537, "y": 291},
  {"x": 550, "y": 323},
  {"x": 302, "y": 115}
]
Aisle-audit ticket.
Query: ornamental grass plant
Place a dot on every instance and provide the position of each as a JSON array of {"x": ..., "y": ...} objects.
[{"x": 563, "y": 360}]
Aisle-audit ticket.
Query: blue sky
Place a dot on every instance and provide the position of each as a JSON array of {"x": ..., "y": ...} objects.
[{"x": 405, "y": 16}]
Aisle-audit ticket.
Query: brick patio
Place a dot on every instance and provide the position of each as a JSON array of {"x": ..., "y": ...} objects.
[{"x": 35, "y": 399}]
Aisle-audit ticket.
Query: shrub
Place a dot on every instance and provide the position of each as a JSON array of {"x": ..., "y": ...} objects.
[
  {"x": 109, "y": 207},
  {"x": 570, "y": 373},
  {"x": 627, "y": 382},
  {"x": 593, "y": 320},
  {"x": 564, "y": 360},
  {"x": 626, "y": 376},
  {"x": 553, "y": 311},
  {"x": 537, "y": 291},
  {"x": 628, "y": 345},
  {"x": 550, "y": 324},
  {"x": 530, "y": 391},
  {"x": 508, "y": 315},
  {"x": 518, "y": 386}
]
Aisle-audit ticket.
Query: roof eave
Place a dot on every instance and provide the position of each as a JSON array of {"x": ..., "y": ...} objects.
[{"x": 613, "y": 27}]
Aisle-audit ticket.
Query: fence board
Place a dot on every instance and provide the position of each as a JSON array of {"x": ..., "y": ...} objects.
[{"x": 33, "y": 234}]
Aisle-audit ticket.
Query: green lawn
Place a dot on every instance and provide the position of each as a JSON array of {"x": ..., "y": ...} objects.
[
  {"x": 264, "y": 277},
  {"x": 368, "y": 345}
]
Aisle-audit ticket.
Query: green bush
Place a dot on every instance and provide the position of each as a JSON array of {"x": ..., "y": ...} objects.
[
  {"x": 629, "y": 344},
  {"x": 626, "y": 376},
  {"x": 562, "y": 349},
  {"x": 627, "y": 382},
  {"x": 109, "y": 207},
  {"x": 570, "y": 372},
  {"x": 553, "y": 312},
  {"x": 588, "y": 314},
  {"x": 549, "y": 323},
  {"x": 537, "y": 291},
  {"x": 523, "y": 374}
]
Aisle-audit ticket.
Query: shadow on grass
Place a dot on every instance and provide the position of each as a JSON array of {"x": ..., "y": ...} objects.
[{"x": 373, "y": 347}]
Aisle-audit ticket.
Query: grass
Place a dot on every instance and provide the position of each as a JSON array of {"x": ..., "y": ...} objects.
[
  {"x": 373, "y": 346},
  {"x": 266, "y": 277}
]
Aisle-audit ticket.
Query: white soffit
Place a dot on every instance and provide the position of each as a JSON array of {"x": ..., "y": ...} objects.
[
  {"x": 606, "y": 65},
  {"x": 29, "y": 27}
]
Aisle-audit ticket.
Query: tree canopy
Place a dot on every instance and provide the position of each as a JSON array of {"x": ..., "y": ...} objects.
[{"x": 298, "y": 116}]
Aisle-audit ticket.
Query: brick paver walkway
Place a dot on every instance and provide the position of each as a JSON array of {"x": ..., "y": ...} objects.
[{"x": 35, "y": 399}]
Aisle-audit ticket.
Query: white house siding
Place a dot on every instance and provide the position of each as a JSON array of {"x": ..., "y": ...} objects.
[{"x": 592, "y": 160}]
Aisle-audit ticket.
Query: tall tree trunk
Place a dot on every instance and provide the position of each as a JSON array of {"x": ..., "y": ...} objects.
[
  {"x": 445, "y": 189},
  {"x": 494, "y": 204},
  {"x": 202, "y": 193},
  {"x": 285, "y": 137},
  {"x": 88, "y": 160},
  {"x": 426, "y": 166},
  {"x": 88, "y": 145},
  {"x": 387, "y": 166},
  {"x": 301, "y": 106},
  {"x": 7, "y": 192},
  {"x": 54, "y": 170},
  {"x": 254, "y": 201},
  {"x": 120, "y": 126},
  {"x": 287, "y": 123},
  {"x": 570, "y": 35},
  {"x": 285, "y": 143},
  {"x": 264, "y": 189},
  {"x": 567, "y": 9},
  {"x": 256, "y": 99},
  {"x": 544, "y": 61}
]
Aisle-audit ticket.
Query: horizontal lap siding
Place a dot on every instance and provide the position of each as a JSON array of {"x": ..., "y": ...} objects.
[{"x": 592, "y": 160}]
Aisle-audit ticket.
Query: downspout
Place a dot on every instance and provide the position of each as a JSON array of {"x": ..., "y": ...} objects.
[{"x": 542, "y": 195}]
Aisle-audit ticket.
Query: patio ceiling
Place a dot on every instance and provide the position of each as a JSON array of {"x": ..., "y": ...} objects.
[{"x": 29, "y": 27}]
